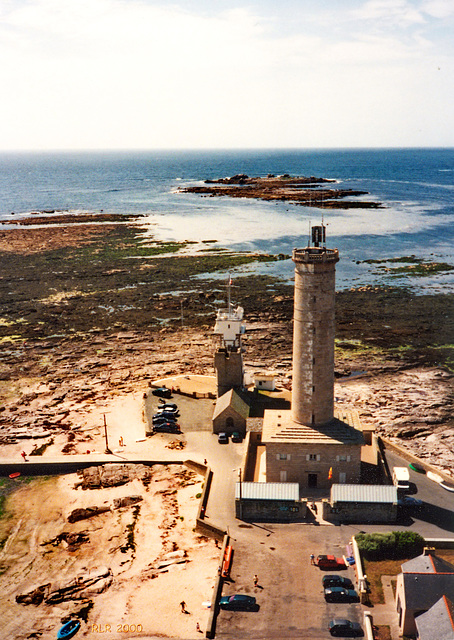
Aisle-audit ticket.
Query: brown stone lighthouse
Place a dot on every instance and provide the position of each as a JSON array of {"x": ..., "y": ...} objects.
[{"x": 313, "y": 331}]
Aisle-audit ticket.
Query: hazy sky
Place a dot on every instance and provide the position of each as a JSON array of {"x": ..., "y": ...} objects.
[{"x": 101, "y": 74}]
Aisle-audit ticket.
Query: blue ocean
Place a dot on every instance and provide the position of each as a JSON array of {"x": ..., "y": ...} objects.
[{"x": 415, "y": 186}]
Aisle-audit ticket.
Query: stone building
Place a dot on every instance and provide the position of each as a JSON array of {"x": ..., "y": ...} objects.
[
  {"x": 230, "y": 414},
  {"x": 228, "y": 357},
  {"x": 312, "y": 444},
  {"x": 315, "y": 458},
  {"x": 424, "y": 581}
]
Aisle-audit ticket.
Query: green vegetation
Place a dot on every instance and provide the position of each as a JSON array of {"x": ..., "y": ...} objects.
[
  {"x": 38, "y": 451},
  {"x": 391, "y": 545},
  {"x": 413, "y": 266},
  {"x": 130, "y": 541}
]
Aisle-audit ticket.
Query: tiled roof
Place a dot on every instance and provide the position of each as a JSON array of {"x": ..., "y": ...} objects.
[
  {"x": 279, "y": 426},
  {"x": 231, "y": 399},
  {"x": 437, "y": 622}
]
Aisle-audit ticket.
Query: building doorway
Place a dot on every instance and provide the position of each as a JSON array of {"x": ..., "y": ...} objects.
[{"x": 312, "y": 480}]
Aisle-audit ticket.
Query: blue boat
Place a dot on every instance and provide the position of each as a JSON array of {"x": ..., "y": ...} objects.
[{"x": 68, "y": 630}]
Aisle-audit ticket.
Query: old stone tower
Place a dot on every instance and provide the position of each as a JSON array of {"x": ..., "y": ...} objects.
[
  {"x": 228, "y": 358},
  {"x": 313, "y": 331}
]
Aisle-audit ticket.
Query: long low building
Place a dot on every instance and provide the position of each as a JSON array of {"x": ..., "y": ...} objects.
[
  {"x": 269, "y": 501},
  {"x": 361, "y": 503}
]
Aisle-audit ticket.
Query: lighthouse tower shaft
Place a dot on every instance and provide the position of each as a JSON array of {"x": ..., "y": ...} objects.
[{"x": 313, "y": 335}]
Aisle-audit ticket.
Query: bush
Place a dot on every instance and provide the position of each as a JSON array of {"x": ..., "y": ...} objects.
[{"x": 392, "y": 545}]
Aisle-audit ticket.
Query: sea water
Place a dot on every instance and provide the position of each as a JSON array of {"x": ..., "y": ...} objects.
[{"x": 415, "y": 187}]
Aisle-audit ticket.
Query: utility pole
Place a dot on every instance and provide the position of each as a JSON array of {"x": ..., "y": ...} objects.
[{"x": 107, "y": 450}]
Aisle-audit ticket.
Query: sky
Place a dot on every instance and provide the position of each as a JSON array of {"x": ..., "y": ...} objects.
[{"x": 188, "y": 74}]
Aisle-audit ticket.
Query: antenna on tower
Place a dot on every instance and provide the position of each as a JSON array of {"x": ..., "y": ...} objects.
[{"x": 229, "y": 304}]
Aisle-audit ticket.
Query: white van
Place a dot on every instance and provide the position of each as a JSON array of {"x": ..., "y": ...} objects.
[{"x": 401, "y": 478}]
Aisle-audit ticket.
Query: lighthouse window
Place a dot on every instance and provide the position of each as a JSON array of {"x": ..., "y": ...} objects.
[
  {"x": 315, "y": 299},
  {"x": 313, "y": 389}
]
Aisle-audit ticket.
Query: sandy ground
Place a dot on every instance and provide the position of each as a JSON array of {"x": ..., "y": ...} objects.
[{"x": 141, "y": 601}]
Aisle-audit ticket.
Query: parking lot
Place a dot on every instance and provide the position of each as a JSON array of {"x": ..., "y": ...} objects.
[{"x": 289, "y": 594}]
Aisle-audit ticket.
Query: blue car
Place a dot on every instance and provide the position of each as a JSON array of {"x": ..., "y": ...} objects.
[
  {"x": 238, "y": 602},
  {"x": 340, "y": 594}
]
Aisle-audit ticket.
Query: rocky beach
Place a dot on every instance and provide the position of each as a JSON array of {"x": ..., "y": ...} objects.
[{"x": 92, "y": 314}]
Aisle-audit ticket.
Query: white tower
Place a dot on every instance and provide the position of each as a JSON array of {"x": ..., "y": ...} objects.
[{"x": 313, "y": 331}]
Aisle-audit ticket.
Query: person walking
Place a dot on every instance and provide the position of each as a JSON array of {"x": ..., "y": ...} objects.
[
  {"x": 312, "y": 558},
  {"x": 183, "y": 606},
  {"x": 256, "y": 580}
]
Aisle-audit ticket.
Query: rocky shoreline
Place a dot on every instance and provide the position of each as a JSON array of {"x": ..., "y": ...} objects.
[
  {"x": 299, "y": 190},
  {"x": 85, "y": 320}
]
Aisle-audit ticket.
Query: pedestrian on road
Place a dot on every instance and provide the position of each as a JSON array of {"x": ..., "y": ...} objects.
[
  {"x": 197, "y": 628},
  {"x": 256, "y": 580},
  {"x": 312, "y": 558},
  {"x": 24, "y": 455},
  {"x": 183, "y": 606}
]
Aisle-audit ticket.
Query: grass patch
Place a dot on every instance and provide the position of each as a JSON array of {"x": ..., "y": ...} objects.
[{"x": 374, "y": 571}]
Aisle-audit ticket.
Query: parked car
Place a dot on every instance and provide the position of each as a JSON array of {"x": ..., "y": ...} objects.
[
  {"x": 345, "y": 628},
  {"x": 409, "y": 503},
  {"x": 223, "y": 438},
  {"x": 330, "y": 562},
  {"x": 162, "y": 418},
  {"x": 162, "y": 392},
  {"x": 340, "y": 594},
  {"x": 167, "y": 405},
  {"x": 166, "y": 427},
  {"x": 237, "y": 437},
  {"x": 336, "y": 581},
  {"x": 166, "y": 414},
  {"x": 238, "y": 601}
]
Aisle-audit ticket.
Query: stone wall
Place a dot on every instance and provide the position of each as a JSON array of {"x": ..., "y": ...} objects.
[{"x": 322, "y": 458}]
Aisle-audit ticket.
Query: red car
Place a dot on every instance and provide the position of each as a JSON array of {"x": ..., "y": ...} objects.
[{"x": 330, "y": 562}]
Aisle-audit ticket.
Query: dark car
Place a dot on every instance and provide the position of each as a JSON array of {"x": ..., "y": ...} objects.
[
  {"x": 238, "y": 601},
  {"x": 162, "y": 392},
  {"x": 336, "y": 581},
  {"x": 167, "y": 414},
  {"x": 167, "y": 405},
  {"x": 237, "y": 437},
  {"x": 161, "y": 418},
  {"x": 409, "y": 503},
  {"x": 340, "y": 594},
  {"x": 223, "y": 438},
  {"x": 345, "y": 628},
  {"x": 166, "y": 427}
]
